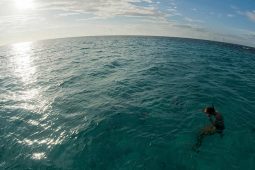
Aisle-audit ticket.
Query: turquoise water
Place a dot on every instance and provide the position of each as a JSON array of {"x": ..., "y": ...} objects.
[{"x": 125, "y": 103}]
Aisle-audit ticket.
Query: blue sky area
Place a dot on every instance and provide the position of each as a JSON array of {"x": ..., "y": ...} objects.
[{"x": 29, "y": 20}]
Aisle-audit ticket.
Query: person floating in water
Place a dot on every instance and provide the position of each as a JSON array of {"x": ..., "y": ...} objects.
[{"x": 216, "y": 126}]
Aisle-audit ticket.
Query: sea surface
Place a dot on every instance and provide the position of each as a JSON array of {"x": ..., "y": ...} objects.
[{"x": 125, "y": 103}]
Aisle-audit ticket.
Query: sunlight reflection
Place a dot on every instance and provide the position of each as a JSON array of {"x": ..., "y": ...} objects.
[
  {"x": 49, "y": 142},
  {"x": 24, "y": 69},
  {"x": 23, "y": 66},
  {"x": 31, "y": 99},
  {"x": 39, "y": 156}
]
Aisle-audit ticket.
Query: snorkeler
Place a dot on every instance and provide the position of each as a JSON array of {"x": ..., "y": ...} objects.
[{"x": 216, "y": 126}]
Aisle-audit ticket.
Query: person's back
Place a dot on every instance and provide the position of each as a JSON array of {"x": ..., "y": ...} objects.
[{"x": 219, "y": 122}]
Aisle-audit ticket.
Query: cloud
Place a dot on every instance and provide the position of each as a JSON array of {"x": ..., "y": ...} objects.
[
  {"x": 103, "y": 8},
  {"x": 247, "y": 33},
  {"x": 230, "y": 15},
  {"x": 68, "y": 14},
  {"x": 96, "y": 9},
  {"x": 16, "y": 20},
  {"x": 100, "y": 8},
  {"x": 251, "y": 15},
  {"x": 193, "y": 20},
  {"x": 191, "y": 27},
  {"x": 97, "y": 17},
  {"x": 172, "y": 11}
]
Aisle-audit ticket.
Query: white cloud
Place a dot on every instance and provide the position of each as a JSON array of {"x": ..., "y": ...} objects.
[
  {"x": 230, "y": 15},
  {"x": 192, "y": 28},
  {"x": 100, "y": 8},
  {"x": 172, "y": 10},
  {"x": 68, "y": 14},
  {"x": 63, "y": 18},
  {"x": 251, "y": 15},
  {"x": 193, "y": 20},
  {"x": 103, "y": 8},
  {"x": 12, "y": 21}
]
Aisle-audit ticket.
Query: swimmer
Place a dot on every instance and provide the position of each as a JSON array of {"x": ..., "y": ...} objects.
[{"x": 216, "y": 126}]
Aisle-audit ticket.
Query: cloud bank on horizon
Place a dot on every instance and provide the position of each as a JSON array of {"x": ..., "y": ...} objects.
[{"x": 28, "y": 20}]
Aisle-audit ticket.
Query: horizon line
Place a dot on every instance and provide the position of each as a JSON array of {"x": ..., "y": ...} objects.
[{"x": 127, "y": 35}]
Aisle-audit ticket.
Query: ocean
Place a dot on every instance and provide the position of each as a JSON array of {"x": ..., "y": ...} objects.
[{"x": 125, "y": 102}]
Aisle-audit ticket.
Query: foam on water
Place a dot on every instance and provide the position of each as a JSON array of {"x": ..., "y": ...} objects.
[{"x": 125, "y": 103}]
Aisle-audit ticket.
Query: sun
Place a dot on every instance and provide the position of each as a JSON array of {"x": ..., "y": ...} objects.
[{"x": 24, "y": 4}]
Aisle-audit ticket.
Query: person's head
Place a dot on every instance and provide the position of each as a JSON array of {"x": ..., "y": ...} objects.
[{"x": 209, "y": 110}]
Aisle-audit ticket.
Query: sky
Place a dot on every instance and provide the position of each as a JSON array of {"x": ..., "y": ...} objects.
[{"x": 220, "y": 20}]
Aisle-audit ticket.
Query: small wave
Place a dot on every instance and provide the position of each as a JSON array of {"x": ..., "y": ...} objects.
[
  {"x": 85, "y": 48},
  {"x": 70, "y": 81}
]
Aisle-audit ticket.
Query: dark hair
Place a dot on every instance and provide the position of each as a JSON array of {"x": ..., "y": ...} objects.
[{"x": 210, "y": 110}]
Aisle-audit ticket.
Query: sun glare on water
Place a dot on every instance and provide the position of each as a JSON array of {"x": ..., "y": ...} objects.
[
  {"x": 23, "y": 63},
  {"x": 24, "y": 4}
]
